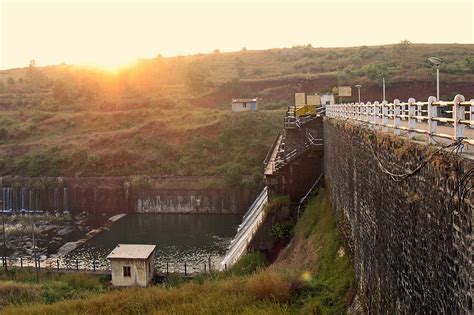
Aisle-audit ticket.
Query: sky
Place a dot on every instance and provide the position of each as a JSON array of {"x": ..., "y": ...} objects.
[{"x": 112, "y": 33}]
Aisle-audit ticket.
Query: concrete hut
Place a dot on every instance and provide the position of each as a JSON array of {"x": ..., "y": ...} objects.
[
  {"x": 244, "y": 104},
  {"x": 132, "y": 264}
]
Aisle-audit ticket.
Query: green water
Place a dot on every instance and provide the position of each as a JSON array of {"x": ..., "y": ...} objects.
[{"x": 179, "y": 239}]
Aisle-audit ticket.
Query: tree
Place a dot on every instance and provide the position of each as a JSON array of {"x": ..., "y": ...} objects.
[
  {"x": 217, "y": 51},
  {"x": 401, "y": 49},
  {"x": 196, "y": 77}
]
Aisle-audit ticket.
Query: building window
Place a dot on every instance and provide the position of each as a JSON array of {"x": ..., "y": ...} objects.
[
  {"x": 126, "y": 271},
  {"x": 245, "y": 105}
]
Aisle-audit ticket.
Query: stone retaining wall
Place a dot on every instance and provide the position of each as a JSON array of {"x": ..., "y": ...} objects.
[
  {"x": 411, "y": 246},
  {"x": 171, "y": 194}
]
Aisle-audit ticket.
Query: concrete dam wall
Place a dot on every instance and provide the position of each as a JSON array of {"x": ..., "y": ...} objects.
[
  {"x": 410, "y": 240},
  {"x": 180, "y": 194}
]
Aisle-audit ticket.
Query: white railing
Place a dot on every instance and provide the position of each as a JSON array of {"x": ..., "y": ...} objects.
[
  {"x": 414, "y": 117},
  {"x": 246, "y": 231}
]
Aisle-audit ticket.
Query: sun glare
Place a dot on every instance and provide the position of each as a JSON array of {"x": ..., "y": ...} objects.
[{"x": 110, "y": 65}]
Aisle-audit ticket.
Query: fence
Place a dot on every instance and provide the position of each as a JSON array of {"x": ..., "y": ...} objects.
[
  {"x": 425, "y": 118},
  {"x": 103, "y": 267}
]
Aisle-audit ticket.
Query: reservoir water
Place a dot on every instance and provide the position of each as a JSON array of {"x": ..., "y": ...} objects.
[{"x": 179, "y": 239}]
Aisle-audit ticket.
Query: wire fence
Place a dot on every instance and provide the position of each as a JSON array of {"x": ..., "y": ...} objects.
[{"x": 62, "y": 264}]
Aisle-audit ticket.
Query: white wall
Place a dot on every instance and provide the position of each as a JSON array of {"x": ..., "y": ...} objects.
[
  {"x": 140, "y": 273},
  {"x": 239, "y": 107}
]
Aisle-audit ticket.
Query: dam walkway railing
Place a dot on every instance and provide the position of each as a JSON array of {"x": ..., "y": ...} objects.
[
  {"x": 435, "y": 119},
  {"x": 252, "y": 221}
]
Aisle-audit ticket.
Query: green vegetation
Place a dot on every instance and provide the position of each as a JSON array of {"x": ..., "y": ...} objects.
[
  {"x": 171, "y": 116},
  {"x": 312, "y": 275},
  {"x": 187, "y": 141}
]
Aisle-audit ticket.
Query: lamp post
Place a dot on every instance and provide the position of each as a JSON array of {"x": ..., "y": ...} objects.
[
  {"x": 437, "y": 63},
  {"x": 358, "y": 86},
  {"x": 383, "y": 84}
]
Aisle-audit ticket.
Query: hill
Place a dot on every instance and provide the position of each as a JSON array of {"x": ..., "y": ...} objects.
[{"x": 171, "y": 116}]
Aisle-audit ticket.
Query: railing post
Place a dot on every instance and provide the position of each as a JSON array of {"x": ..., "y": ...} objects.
[
  {"x": 367, "y": 112},
  {"x": 384, "y": 116},
  {"x": 458, "y": 115},
  {"x": 77, "y": 265},
  {"x": 21, "y": 262},
  {"x": 209, "y": 260},
  {"x": 403, "y": 110},
  {"x": 418, "y": 110},
  {"x": 185, "y": 270},
  {"x": 396, "y": 117},
  {"x": 376, "y": 112},
  {"x": 432, "y": 124},
  {"x": 167, "y": 270},
  {"x": 411, "y": 120},
  {"x": 471, "y": 110},
  {"x": 57, "y": 264}
]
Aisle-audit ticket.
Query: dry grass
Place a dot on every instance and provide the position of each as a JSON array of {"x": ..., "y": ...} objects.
[
  {"x": 210, "y": 297},
  {"x": 269, "y": 286}
]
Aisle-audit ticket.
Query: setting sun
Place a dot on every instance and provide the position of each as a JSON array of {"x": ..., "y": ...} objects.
[{"x": 111, "y": 34}]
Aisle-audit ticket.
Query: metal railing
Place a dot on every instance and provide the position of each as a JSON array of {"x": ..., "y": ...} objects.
[
  {"x": 252, "y": 221},
  {"x": 424, "y": 118}
]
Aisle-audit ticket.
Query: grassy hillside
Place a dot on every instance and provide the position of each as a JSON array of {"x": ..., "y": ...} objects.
[
  {"x": 153, "y": 141},
  {"x": 171, "y": 116},
  {"x": 313, "y": 275}
]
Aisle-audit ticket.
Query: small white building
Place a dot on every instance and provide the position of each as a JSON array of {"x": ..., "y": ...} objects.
[
  {"x": 132, "y": 264},
  {"x": 327, "y": 99},
  {"x": 244, "y": 104}
]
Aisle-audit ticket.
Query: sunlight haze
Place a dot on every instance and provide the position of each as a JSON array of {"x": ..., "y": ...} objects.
[{"x": 111, "y": 34}]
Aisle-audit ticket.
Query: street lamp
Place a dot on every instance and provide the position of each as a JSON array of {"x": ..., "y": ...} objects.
[
  {"x": 436, "y": 62},
  {"x": 358, "y": 86},
  {"x": 383, "y": 85}
]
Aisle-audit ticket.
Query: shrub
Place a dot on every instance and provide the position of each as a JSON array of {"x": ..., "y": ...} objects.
[
  {"x": 248, "y": 264},
  {"x": 283, "y": 230},
  {"x": 55, "y": 291}
]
